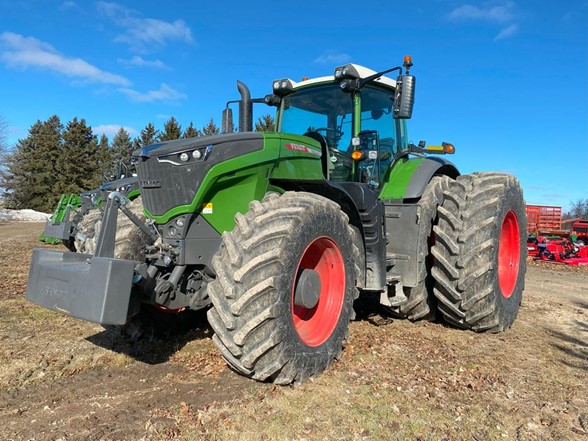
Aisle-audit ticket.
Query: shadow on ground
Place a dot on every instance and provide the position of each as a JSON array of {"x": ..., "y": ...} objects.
[
  {"x": 153, "y": 337},
  {"x": 574, "y": 344}
]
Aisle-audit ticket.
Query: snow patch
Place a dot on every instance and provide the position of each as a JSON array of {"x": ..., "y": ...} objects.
[{"x": 22, "y": 216}]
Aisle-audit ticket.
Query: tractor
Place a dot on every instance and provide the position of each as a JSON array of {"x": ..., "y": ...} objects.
[{"x": 278, "y": 233}]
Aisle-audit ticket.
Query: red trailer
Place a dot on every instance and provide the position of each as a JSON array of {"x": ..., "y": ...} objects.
[{"x": 543, "y": 217}]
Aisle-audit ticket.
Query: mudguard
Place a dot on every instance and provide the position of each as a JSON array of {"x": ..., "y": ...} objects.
[{"x": 408, "y": 177}]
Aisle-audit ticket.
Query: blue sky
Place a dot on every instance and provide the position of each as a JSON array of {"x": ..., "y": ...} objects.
[{"x": 505, "y": 81}]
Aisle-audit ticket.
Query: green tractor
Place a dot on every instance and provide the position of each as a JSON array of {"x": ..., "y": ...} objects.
[{"x": 278, "y": 234}]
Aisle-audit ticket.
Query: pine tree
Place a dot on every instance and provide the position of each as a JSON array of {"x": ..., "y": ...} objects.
[
  {"x": 121, "y": 149},
  {"x": 80, "y": 166},
  {"x": 3, "y": 150},
  {"x": 191, "y": 132},
  {"x": 171, "y": 130},
  {"x": 265, "y": 123},
  {"x": 104, "y": 158},
  {"x": 210, "y": 128},
  {"x": 33, "y": 168},
  {"x": 147, "y": 136}
]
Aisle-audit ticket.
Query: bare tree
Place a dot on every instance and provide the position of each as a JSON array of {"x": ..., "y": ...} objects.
[{"x": 3, "y": 136}]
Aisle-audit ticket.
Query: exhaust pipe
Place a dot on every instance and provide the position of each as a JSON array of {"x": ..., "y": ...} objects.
[{"x": 245, "y": 108}]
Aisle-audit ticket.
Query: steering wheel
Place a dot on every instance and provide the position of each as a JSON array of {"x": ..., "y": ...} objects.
[{"x": 337, "y": 134}]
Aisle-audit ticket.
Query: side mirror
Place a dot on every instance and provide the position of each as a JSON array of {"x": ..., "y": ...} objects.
[
  {"x": 272, "y": 100},
  {"x": 227, "y": 121},
  {"x": 404, "y": 97}
]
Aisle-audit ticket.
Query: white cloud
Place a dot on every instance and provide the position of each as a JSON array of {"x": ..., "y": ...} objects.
[
  {"x": 332, "y": 59},
  {"x": 142, "y": 34},
  {"x": 503, "y": 14},
  {"x": 110, "y": 130},
  {"x": 507, "y": 32},
  {"x": 138, "y": 61},
  {"x": 18, "y": 51},
  {"x": 165, "y": 93},
  {"x": 498, "y": 14},
  {"x": 68, "y": 5}
]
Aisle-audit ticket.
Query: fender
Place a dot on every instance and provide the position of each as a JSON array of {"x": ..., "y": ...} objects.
[
  {"x": 408, "y": 177},
  {"x": 373, "y": 258}
]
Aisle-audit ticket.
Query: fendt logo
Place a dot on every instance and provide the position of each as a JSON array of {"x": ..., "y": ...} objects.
[{"x": 151, "y": 183}]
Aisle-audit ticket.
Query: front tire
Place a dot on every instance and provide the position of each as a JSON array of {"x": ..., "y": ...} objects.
[
  {"x": 285, "y": 286},
  {"x": 480, "y": 252}
]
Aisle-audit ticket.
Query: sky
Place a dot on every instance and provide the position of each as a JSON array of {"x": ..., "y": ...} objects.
[{"x": 505, "y": 81}]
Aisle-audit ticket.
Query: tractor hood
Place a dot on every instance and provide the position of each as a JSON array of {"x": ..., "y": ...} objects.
[
  {"x": 189, "y": 144},
  {"x": 170, "y": 173}
]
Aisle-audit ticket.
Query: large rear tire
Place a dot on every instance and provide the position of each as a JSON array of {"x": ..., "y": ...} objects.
[
  {"x": 285, "y": 286},
  {"x": 480, "y": 252},
  {"x": 420, "y": 302}
]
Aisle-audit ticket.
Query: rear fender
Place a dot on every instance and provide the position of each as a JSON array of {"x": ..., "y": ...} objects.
[{"x": 408, "y": 177}]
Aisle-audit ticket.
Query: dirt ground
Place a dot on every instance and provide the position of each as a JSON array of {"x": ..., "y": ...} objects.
[{"x": 64, "y": 379}]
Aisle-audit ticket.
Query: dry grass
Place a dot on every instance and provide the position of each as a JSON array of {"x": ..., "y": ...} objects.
[{"x": 62, "y": 378}]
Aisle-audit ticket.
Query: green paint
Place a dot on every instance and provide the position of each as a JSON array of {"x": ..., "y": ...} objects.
[
  {"x": 229, "y": 187},
  {"x": 240, "y": 169},
  {"x": 296, "y": 162},
  {"x": 133, "y": 194},
  {"x": 398, "y": 177}
]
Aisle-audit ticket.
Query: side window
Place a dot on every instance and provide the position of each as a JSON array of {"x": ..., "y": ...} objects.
[{"x": 376, "y": 114}]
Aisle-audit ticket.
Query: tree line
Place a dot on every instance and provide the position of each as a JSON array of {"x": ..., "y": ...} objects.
[{"x": 54, "y": 159}]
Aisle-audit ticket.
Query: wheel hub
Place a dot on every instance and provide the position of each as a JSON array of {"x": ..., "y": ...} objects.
[{"x": 308, "y": 289}]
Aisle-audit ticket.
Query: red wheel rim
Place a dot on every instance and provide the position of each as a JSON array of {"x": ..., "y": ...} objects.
[
  {"x": 315, "y": 325},
  {"x": 509, "y": 254}
]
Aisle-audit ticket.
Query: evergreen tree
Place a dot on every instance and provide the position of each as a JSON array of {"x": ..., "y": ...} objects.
[
  {"x": 171, "y": 130},
  {"x": 210, "y": 128},
  {"x": 80, "y": 166},
  {"x": 121, "y": 149},
  {"x": 104, "y": 158},
  {"x": 34, "y": 167},
  {"x": 3, "y": 150},
  {"x": 147, "y": 136},
  {"x": 191, "y": 132},
  {"x": 265, "y": 123}
]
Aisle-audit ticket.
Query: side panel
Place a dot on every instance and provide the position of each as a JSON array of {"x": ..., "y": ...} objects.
[
  {"x": 299, "y": 157},
  {"x": 408, "y": 177}
]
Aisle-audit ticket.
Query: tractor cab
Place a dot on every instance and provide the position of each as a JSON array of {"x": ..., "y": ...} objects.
[{"x": 355, "y": 115}]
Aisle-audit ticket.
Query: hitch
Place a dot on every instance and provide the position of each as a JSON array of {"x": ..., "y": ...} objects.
[{"x": 107, "y": 237}]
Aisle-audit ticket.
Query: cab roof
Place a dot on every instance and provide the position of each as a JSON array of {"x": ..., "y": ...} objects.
[{"x": 364, "y": 72}]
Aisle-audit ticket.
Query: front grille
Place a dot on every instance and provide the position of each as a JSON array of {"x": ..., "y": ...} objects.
[{"x": 165, "y": 186}]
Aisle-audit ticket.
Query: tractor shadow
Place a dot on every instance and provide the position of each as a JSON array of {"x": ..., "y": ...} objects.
[
  {"x": 155, "y": 343},
  {"x": 369, "y": 309},
  {"x": 575, "y": 343}
]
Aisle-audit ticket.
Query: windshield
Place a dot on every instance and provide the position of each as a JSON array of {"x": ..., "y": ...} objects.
[{"x": 324, "y": 109}]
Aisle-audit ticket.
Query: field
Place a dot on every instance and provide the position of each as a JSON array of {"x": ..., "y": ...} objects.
[{"x": 64, "y": 379}]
